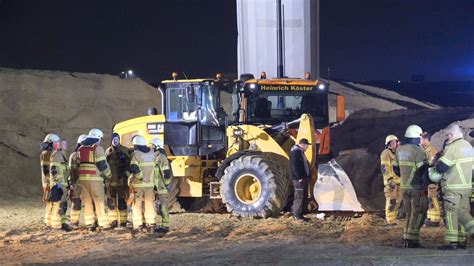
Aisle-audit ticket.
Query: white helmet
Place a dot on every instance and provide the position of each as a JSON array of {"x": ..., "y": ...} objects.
[
  {"x": 51, "y": 137},
  {"x": 96, "y": 133},
  {"x": 139, "y": 140},
  {"x": 157, "y": 142},
  {"x": 390, "y": 138},
  {"x": 413, "y": 132},
  {"x": 81, "y": 138}
]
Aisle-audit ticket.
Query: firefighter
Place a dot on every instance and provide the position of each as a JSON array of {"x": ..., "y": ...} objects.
[
  {"x": 74, "y": 191},
  {"x": 433, "y": 215},
  {"x": 93, "y": 168},
  {"x": 141, "y": 183},
  {"x": 410, "y": 163},
  {"x": 454, "y": 171},
  {"x": 45, "y": 159},
  {"x": 390, "y": 180},
  {"x": 59, "y": 173},
  {"x": 163, "y": 177},
  {"x": 118, "y": 157}
]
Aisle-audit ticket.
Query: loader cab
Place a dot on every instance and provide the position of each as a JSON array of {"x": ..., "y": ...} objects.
[
  {"x": 270, "y": 102},
  {"x": 195, "y": 120}
]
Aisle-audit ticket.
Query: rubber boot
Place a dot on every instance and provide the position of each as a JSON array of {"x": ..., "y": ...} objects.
[
  {"x": 463, "y": 244},
  {"x": 113, "y": 224},
  {"x": 151, "y": 228},
  {"x": 450, "y": 246},
  {"x": 74, "y": 226},
  {"x": 411, "y": 244},
  {"x": 161, "y": 231},
  {"x": 66, "y": 228},
  {"x": 92, "y": 228}
]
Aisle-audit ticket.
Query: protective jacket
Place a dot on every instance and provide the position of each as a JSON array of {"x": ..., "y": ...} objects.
[
  {"x": 163, "y": 174},
  {"x": 410, "y": 160},
  {"x": 45, "y": 161},
  {"x": 74, "y": 161},
  {"x": 386, "y": 165},
  {"x": 142, "y": 167},
  {"x": 299, "y": 165},
  {"x": 59, "y": 168},
  {"x": 456, "y": 165},
  {"x": 119, "y": 161},
  {"x": 92, "y": 162},
  {"x": 430, "y": 152}
]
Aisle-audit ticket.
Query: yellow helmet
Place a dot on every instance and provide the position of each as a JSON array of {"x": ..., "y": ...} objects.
[
  {"x": 413, "y": 131},
  {"x": 390, "y": 138}
]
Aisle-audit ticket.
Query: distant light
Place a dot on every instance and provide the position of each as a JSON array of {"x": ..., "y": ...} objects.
[
  {"x": 398, "y": 81},
  {"x": 321, "y": 86},
  {"x": 130, "y": 72}
]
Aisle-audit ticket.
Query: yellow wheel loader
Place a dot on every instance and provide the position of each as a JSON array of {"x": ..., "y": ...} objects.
[{"x": 242, "y": 160}]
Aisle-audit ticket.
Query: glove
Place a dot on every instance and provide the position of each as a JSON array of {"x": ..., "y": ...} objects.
[{"x": 169, "y": 187}]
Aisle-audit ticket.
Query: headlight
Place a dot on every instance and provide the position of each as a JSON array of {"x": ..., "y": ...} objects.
[
  {"x": 238, "y": 132},
  {"x": 252, "y": 86},
  {"x": 321, "y": 86}
]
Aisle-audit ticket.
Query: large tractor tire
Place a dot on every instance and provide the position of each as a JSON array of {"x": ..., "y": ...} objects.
[{"x": 254, "y": 186}]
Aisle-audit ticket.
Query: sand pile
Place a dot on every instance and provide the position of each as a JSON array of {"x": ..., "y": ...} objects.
[
  {"x": 360, "y": 140},
  {"x": 467, "y": 126},
  {"x": 34, "y": 103},
  {"x": 360, "y": 97}
]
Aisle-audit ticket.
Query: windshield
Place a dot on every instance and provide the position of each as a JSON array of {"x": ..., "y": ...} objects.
[
  {"x": 263, "y": 108},
  {"x": 191, "y": 103},
  {"x": 180, "y": 108}
]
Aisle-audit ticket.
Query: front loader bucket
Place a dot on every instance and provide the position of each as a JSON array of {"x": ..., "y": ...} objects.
[{"x": 333, "y": 190}]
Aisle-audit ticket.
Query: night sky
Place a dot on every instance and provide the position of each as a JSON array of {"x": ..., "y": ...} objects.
[{"x": 360, "y": 39}]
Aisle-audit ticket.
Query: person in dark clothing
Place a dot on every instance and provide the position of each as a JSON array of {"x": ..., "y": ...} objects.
[{"x": 300, "y": 175}]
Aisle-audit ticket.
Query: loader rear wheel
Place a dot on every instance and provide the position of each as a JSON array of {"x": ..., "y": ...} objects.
[{"x": 254, "y": 186}]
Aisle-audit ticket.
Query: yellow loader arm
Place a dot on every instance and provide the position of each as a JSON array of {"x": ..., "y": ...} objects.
[{"x": 306, "y": 131}]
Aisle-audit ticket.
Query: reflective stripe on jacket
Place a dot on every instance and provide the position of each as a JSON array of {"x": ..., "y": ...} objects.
[
  {"x": 386, "y": 165},
  {"x": 410, "y": 159},
  {"x": 146, "y": 165},
  {"x": 59, "y": 169},
  {"x": 161, "y": 165},
  {"x": 45, "y": 160},
  {"x": 89, "y": 159},
  {"x": 459, "y": 157}
]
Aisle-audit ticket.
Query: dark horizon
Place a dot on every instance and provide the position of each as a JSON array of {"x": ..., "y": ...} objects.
[{"x": 360, "y": 39}]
